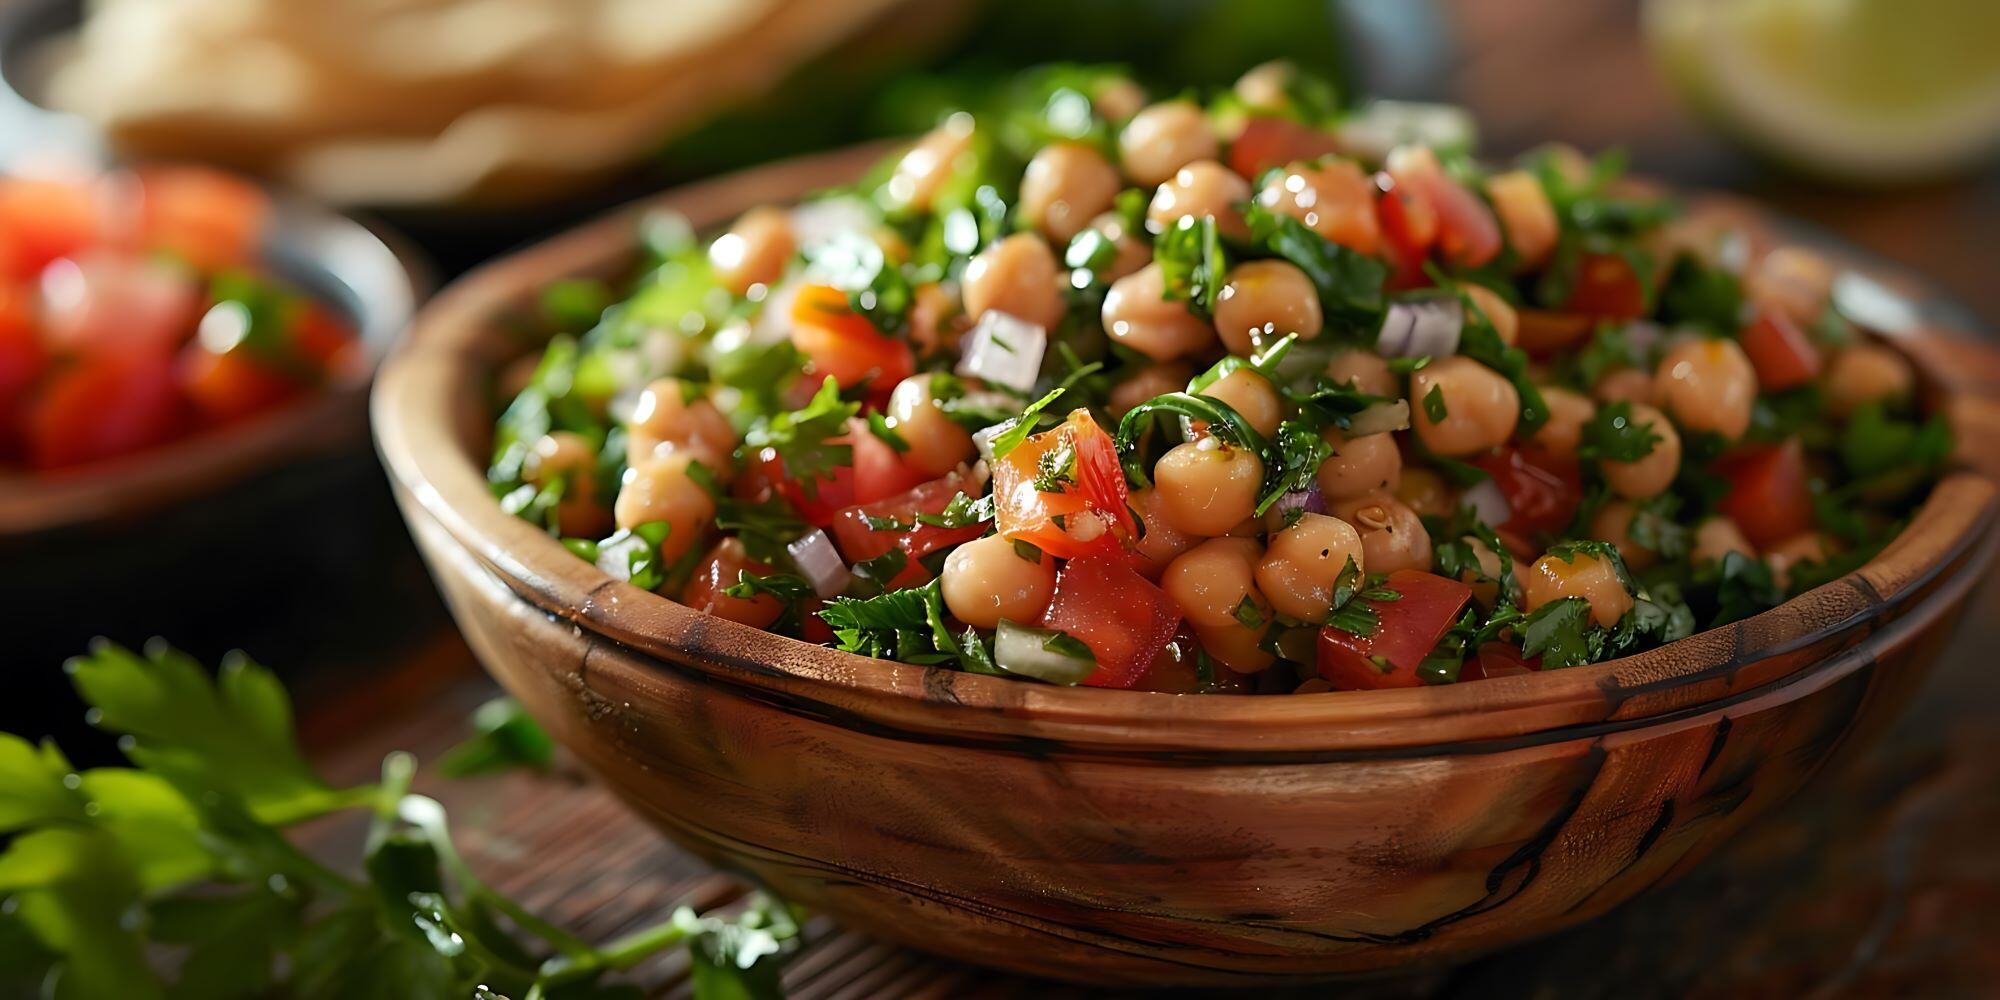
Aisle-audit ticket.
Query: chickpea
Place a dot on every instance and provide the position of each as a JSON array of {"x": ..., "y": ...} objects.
[
  {"x": 937, "y": 318},
  {"x": 1148, "y": 382},
  {"x": 1019, "y": 276},
  {"x": 1138, "y": 314},
  {"x": 579, "y": 513},
  {"x": 1568, "y": 412},
  {"x": 1651, "y": 475},
  {"x": 1266, "y": 86},
  {"x": 1497, "y": 311},
  {"x": 1612, "y": 524},
  {"x": 1485, "y": 581},
  {"x": 1202, "y": 189},
  {"x": 1207, "y": 487},
  {"x": 1159, "y": 543},
  {"x": 1251, "y": 395},
  {"x": 1808, "y": 547},
  {"x": 1793, "y": 281},
  {"x": 1366, "y": 371},
  {"x": 754, "y": 251},
  {"x": 1065, "y": 186},
  {"x": 931, "y": 162},
  {"x": 664, "y": 420},
  {"x": 937, "y": 443},
  {"x": 1481, "y": 406},
  {"x": 1118, "y": 98},
  {"x": 1213, "y": 579},
  {"x": 1334, "y": 199},
  {"x": 1359, "y": 466},
  {"x": 1299, "y": 570},
  {"x": 1590, "y": 577},
  {"x": 1263, "y": 300},
  {"x": 1718, "y": 537},
  {"x": 985, "y": 580},
  {"x": 1392, "y": 535},
  {"x": 1238, "y": 648},
  {"x": 1526, "y": 216},
  {"x": 1164, "y": 138},
  {"x": 1133, "y": 252},
  {"x": 705, "y": 591},
  {"x": 1707, "y": 384},
  {"x": 1427, "y": 493},
  {"x": 662, "y": 490},
  {"x": 1625, "y": 385},
  {"x": 1867, "y": 373}
]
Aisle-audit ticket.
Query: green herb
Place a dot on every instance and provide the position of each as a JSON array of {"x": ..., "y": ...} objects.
[
  {"x": 1090, "y": 250},
  {"x": 633, "y": 555},
  {"x": 1561, "y": 633},
  {"x": 1656, "y": 526},
  {"x": 1065, "y": 644},
  {"x": 878, "y": 425},
  {"x": 1698, "y": 295},
  {"x": 1248, "y": 614},
  {"x": 764, "y": 527},
  {"x": 1610, "y": 349},
  {"x": 961, "y": 512},
  {"x": 787, "y": 587},
  {"x": 1743, "y": 586},
  {"x": 1192, "y": 262},
  {"x": 116, "y": 876},
  {"x": 1055, "y": 469},
  {"x": 883, "y": 568},
  {"x": 1874, "y": 444},
  {"x": 548, "y": 403},
  {"x": 1264, "y": 363},
  {"x": 1292, "y": 462},
  {"x": 1028, "y": 550},
  {"x": 1351, "y": 612},
  {"x": 876, "y": 287},
  {"x": 803, "y": 438},
  {"x": 1434, "y": 407},
  {"x": 904, "y": 625},
  {"x": 505, "y": 737},
  {"x": 1613, "y": 436},
  {"x": 575, "y": 305},
  {"x": 1350, "y": 284},
  {"x": 1224, "y": 423},
  {"x": 1480, "y": 340},
  {"x": 1024, "y": 425}
]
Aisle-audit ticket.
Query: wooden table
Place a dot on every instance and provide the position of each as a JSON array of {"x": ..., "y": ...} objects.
[{"x": 1882, "y": 880}]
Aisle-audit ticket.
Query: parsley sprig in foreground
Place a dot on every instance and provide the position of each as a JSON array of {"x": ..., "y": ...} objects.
[{"x": 112, "y": 876}]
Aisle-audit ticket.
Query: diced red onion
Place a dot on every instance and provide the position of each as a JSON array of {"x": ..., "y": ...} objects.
[
  {"x": 1644, "y": 335},
  {"x": 1421, "y": 328},
  {"x": 1309, "y": 500},
  {"x": 1380, "y": 418},
  {"x": 1004, "y": 350},
  {"x": 1489, "y": 503},
  {"x": 820, "y": 563}
]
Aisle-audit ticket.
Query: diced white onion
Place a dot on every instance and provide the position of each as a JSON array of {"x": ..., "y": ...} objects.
[
  {"x": 1421, "y": 328},
  {"x": 1873, "y": 305},
  {"x": 1004, "y": 350},
  {"x": 1488, "y": 502},
  {"x": 1381, "y": 418},
  {"x": 1381, "y": 126},
  {"x": 615, "y": 558},
  {"x": 819, "y": 562},
  {"x": 983, "y": 438},
  {"x": 818, "y": 223}
]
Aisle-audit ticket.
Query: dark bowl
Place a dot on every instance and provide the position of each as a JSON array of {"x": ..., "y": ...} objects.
[{"x": 1139, "y": 838}]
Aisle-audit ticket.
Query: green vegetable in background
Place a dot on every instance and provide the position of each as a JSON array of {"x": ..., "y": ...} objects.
[{"x": 111, "y": 875}]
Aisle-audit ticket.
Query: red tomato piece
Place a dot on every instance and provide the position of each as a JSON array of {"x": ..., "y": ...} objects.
[
  {"x": 323, "y": 339},
  {"x": 1124, "y": 619},
  {"x": 860, "y": 543},
  {"x": 1781, "y": 353},
  {"x": 232, "y": 385},
  {"x": 42, "y": 221},
  {"x": 1606, "y": 288},
  {"x": 842, "y": 343},
  {"x": 21, "y": 355},
  {"x": 1406, "y": 630},
  {"x": 1265, "y": 143},
  {"x": 1543, "y": 490},
  {"x": 816, "y": 506},
  {"x": 1768, "y": 494},
  {"x": 879, "y": 470},
  {"x": 721, "y": 569},
  {"x": 1089, "y": 514},
  {"x": 1409, "y": 228},
  {"x": 1467, "y": 233},
  {"x": 205, "y": 217},
  {"x": 113, "y": 302},
  {"x": 1543, "y": 333},
  {"x": 102, "y": 407},
  {"x": 1498, "y": 659}
]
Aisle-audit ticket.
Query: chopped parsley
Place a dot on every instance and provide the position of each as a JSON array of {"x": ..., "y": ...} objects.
[
  {"x": 1350, "y": 283},
  {"x": 1192, "y": 262},
  {"x": 1613, "y": 436},
  {"x": 803, "y": 438},
  {"x": 1434, "y": 407}
]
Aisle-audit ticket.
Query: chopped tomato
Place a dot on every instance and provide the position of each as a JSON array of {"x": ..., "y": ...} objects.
[
  {"x": 860, "y": 542},
  {"x": 840, "y": 342},
  {"x": 723, "y": 568},
  {"x": 1124, "y": 619},
  {"x": 879, "y": 471},
  {"x": 1467, "y": 233},
  {"x": 1768, "y": 496},
  {"x": 322, "y": 338},
  {"x": 102, "y": 407},
  {"x": 21, "y": 355},
  {"x": 42, "y": 221},
  {"x": 1606, "y": 288},
  {"x": 1265, "y": 143},
  {"x": 1542, "y": 332},
  {"x": 1406, "y": 630},
  {"x": 1498, "y": 659},
  {"x": 231, "y": 385},
  {"x": 816, "y": 502},
  {"x": 1089, "y": 512},
  {"x": 1542, "y": 489},
  {"x": 1409, "y": 228},
  {"x": 112, "y": 303},
  {"x": 209, "y": 219},
  {"x": 1780, "y": 351}
]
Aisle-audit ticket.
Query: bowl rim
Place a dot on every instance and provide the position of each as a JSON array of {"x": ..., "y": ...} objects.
[
  {"x": 361, "y": 269},
  {"x": 428, "y": 428}
]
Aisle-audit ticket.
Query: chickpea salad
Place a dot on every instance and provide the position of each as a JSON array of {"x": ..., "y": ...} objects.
[{"x": 1258, "y": 391}]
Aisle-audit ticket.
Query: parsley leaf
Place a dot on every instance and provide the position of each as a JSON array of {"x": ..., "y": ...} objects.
[
  {"x": 1192, "y": 262},
  {"x": 1023, "y": 426},
  {"x": 1350, "y": 284},
  {"x": 1056, "y": 469},
  {"x": 1434, "y": 407},
  {"x": 896, "y": 625},
  {"x": 764, "y": 527},
  {"x": 1561, "y": 633},
  {"x": 803, "y": 438},
  {"x": 1698, "y": 295},
  {"x": 878, "y": 425},
  {"x": 1613, "y": 436},
  {"x": 504, "y": 737}
]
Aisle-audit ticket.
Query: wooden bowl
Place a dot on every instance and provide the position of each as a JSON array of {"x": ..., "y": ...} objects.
[{"x": 1130, "y": 837}]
